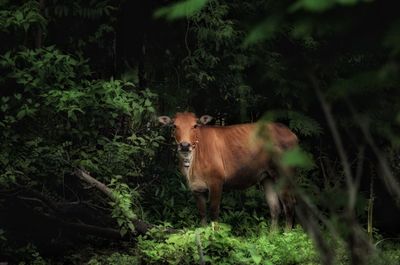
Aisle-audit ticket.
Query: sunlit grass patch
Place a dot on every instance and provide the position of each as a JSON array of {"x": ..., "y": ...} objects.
[{"x": 222, "y": 247}]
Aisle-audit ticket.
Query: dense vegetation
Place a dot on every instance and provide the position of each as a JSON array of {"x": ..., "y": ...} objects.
[{"x": 87, "y": 176}]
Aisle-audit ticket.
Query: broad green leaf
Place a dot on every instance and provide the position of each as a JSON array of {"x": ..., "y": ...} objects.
[
  {"x": 131, "y": 226},
  {"x": 4, "y": 107},
  {"x": 256, "y": 257},
  {"x": 181, "y": 9},
  {"x": 264, "y": 30},
  {"x": 147, "y": 103},
  {"x": 312, "y": 5},
  {"x": 18, "y": 15},
  {"x": 21, "y": 114},
  {"x": 348, "y": 2},
  {"x": 123, "y": 231},
  {"x": 297, "y": 158}
]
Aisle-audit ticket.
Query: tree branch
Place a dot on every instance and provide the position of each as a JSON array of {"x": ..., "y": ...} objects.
[
  {"x": 141, "y": 227},
  {"x": 352, "y": 188},
  {"x": 94, "y": 182}
]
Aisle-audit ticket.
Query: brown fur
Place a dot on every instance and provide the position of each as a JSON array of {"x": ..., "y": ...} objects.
[{"x": 236, "y": 156}]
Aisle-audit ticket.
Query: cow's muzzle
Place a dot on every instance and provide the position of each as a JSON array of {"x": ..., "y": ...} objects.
[
  {"x": 184, "y": 147},
  {"x": 185, "y": 152}
]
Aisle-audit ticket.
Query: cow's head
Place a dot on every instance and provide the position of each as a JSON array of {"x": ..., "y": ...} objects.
[{"x": 186, "y": 126}]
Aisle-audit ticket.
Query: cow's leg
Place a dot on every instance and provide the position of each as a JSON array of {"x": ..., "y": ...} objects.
[
  {"x": 287, "y": 198},
  {"x": 201, "y": 201},
  {"x": 271, "y": 196},
  {"x": 215, "y": 193},
  {"x": 288, "y": 202}
]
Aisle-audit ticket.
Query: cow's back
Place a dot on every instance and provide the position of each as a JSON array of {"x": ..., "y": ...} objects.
[{"x": 237, "y": 155}]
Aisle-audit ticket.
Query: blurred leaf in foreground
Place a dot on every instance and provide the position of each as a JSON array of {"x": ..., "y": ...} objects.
[
  {"x": 180, "y": 9},
  {"x": 263, "y": 31},
  {"x": 298, "y": 158}
]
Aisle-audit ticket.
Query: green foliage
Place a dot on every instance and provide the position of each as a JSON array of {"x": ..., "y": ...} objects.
[
  {"x": 297, "y": 158},
  {"x": 263, "y": 31},
  {"x": 115, "y": 258},
  {"x": 62, "y": 107},
  {"x": 122, "y": 205},
  {"x": 72, "y": 121},
  {"x": 85, "y": 9},
  {"x": 55, "y": 90},
  {"x": 298, "y": 122},
  {"x": 29, "y": 255},
  {"x": 386, "y": 253},
  {"x": 43, "y": 69},
  {"x": 221, "y": 247},
  {"x": 169, "y": 201},
  {"x": 215, "y": 59},
  {"x": 181, "y": 9},
  {"x": 321, "y": 5},
  {"x": 22, "y": 17}
]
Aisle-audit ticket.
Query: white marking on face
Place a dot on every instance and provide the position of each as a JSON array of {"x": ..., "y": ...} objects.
[{"x": 186, "y": 158}]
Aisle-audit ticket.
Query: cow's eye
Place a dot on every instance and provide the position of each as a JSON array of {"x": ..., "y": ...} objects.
[
  {"x": 195, "y": 126},
  {"x": 174, "y": 126}
]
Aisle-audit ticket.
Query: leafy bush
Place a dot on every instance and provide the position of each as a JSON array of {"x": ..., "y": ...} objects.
[
  {"x": 115, "y": 258},
  {"x": 59, "y": 118},
  {"x": 21, "y": 17},
  {"x": 27, "y": 254},
  {"x": 386, "y": 253},
  {"x": 122, "y": 210},
  {"x": 55, "y": 92},
  {"x": 220, "y": 246}
]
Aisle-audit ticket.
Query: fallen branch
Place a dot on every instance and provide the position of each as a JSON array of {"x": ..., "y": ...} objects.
[
  {"x": 141, "y": 227},
  {"x": 94, "y": 182}
]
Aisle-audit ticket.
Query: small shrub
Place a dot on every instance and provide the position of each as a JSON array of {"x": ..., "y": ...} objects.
[
  {"x": 220, "y": 246},
  {"x": 115, "y": 259}
]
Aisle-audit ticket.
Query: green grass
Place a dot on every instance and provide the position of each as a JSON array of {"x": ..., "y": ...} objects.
[{"x": 222, "y": 245}]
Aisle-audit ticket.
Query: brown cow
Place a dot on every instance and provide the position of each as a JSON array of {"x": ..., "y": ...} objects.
[{"x": 214, "y": 157}]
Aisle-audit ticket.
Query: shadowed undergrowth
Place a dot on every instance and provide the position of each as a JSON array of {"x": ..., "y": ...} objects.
[{"x": 221, "y": 246}]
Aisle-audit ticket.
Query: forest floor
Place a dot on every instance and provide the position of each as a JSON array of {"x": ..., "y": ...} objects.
[{"x": 223, "y": 244}]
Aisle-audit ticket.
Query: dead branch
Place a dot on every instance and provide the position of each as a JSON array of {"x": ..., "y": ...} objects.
[
  {"x": 390, "y": 181},
  {"x": 352, "y": 189},
  {"x": 311, "y": 226},
  {"x": 141, "y": 227},
  {"x": 357, "y": 243},
  {"x": 94, "y": 182}
]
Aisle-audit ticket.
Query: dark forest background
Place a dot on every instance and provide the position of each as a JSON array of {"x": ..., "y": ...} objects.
[{"x": 87, "y": 176}]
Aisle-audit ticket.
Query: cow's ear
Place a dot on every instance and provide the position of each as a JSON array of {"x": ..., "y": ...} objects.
[
  {"x": 205, "y": 119},
  {"x": 165, "y": 120}
]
